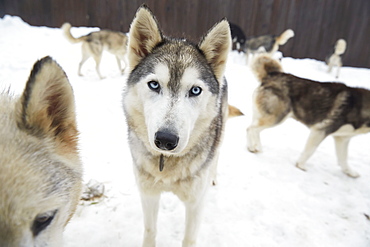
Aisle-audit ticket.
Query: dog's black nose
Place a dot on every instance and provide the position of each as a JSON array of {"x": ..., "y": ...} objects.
[{"x": 166, "y": 140}]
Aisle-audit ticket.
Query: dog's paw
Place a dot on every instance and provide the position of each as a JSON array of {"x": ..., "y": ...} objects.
[
  {"x": 188, "y": 243},
  {"x": 254, "y": 149},
  {"x": 149, "y": 238},
  {"x": 301, "y": 166},
  {"x": 351, "y": 173}
]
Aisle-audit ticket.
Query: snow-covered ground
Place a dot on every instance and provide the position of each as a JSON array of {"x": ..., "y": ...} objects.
[{"x": 260, "y": 200}]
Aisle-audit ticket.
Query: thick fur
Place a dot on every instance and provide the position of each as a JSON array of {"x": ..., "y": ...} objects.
[
  {"x": 94, "y": 43},
  {"x": 267, "y": 44},
  {"x": 326, "y": 108},
  {"x": 238, "y": 37},
  {"x": 335, "y": 59},
  {"x": 194, "y": 122},
  {"x": 40, "y": 170}
]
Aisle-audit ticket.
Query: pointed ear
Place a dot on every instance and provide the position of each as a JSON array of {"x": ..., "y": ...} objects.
[
  {"x": 144, "y": 36},
  {"x": 216, "y": 45},
  {"x": 46, "y": 107}
]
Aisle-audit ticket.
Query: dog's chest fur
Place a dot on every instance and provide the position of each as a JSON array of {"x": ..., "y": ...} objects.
[{"x": 178, "y": 170}]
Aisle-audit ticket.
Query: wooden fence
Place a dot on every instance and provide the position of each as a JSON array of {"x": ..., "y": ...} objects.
[{"x": 317, "y": 23}]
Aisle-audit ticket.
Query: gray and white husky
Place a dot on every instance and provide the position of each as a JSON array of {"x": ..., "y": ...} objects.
[
  {"x": 175, "y": 104},
  {"x": 94, "y": 43}
]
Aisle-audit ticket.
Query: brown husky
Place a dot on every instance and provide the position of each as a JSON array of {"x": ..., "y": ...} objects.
[
  {"x": 326, "y": 108},
  {"x": 40, "y": 170},
  {"x": 94, "y": 43}
]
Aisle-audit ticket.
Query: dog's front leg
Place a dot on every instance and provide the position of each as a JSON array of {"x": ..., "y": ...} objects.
[
  {"x": 119, "y": 64},
  {"x": 150, "y": 204},
  {"x": 194, "y": 212}
]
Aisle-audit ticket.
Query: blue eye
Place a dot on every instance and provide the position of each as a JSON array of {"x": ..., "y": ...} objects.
[
  {"x": 195, "y": 91},
  {"x": 154, "y": 85}
]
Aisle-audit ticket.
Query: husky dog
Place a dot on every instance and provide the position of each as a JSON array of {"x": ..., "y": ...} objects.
[
  {"x": 175, "y": 104},
  {"x": 326, "y": 108},
  {"x": 94, "y": 43},
  {"x": 266, "y": 43},
  {"x": 335, "y": 59},
  {"x": 238, "y": 36},
  {"x": 40, "y": 169}
]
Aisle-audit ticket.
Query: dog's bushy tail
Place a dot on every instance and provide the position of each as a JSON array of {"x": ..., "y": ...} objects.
[
  {"x": 263, "y": 65},
  {"x": 285, "y": 36},
  {"x": 340, "y": 46},
  {"x": 66, "y": 27}
]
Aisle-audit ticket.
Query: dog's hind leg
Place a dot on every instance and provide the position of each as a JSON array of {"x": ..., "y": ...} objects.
[
  {"x": 341, "y": 148},
  {"x": 253, "y": 132},
  {"x": 253, "y": 138},
  {"x": 314, "y": 140},
  {"x": 97, "y": 59},
  {"x": 268, "y": 111},
  {"x": 150, "y": 204}
]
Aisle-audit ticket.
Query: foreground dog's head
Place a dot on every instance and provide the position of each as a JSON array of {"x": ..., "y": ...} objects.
[
  {"x": 174, "y": 85},
  {"x": 40, "y": 171}
]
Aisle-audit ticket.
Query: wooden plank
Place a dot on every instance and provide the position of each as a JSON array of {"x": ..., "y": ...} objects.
[{"x": 317, "y": 23}]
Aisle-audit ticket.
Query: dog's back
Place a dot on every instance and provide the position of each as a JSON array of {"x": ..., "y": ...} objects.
[
  {"x": 113, "y": 41},
  {"x": 40, "y": 171},
  {"x": 265, "y": 41},
  {"x": 268, "y": 43}
]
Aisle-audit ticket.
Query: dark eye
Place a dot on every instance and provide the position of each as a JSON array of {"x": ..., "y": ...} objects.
[
  {"x": 195, "y": 91},
  {"x": 42, "y": 221},
  {"x": 154, "y": 85}
]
